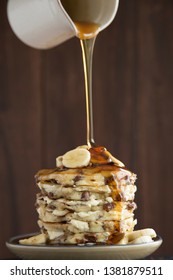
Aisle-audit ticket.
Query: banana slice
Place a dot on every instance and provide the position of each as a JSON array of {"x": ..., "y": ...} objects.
[
  {"x": 123, "y": 241},
  {"x": 59, "y": 161},
  {"x": 83, "y": 147},
  {"x": 36, "y": 239},
  {"x": 139, "y": 233},
  {"x": 142, "y": 239},
  {"x": 79, "y": 157},
  {"x": 138, "y": 236}
]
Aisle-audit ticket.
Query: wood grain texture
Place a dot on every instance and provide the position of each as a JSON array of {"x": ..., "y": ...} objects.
[
  {"x": 20, "y": 138},
  {"x": 42, "y": 112},
  {"x": 154, "y": 114}
]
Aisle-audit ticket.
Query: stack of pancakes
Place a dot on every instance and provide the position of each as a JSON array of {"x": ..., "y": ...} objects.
[{"x": 86, "y": 204}]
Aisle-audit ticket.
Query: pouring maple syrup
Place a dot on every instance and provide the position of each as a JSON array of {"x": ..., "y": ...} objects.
[
  {"x": 89, "y": 18},
  {"x": 86, "y": 32}
]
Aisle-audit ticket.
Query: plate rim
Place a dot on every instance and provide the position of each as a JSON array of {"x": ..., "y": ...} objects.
[{"x": 11, "y": 243}]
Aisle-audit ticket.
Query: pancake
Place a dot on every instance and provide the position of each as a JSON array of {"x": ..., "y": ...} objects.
[
  {"x": 76, "y": 226},
  {"x": 88, "y": 198}
]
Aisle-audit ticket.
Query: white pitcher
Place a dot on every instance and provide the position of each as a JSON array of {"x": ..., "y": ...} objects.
[{"x": 45, "y": 24}]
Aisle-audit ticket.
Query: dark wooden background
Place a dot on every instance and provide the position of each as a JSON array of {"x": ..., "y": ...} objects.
[{"x": 42, "y": 113}]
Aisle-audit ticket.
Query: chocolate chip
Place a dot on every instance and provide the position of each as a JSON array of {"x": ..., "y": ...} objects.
[
  {"x": 77, "y": 178},
  {"x": 90, "y": 238},
  {"x": 85, "y": 196},
  {"x": 131, "y": 206},
  {"x": 52, "y": 207},
  {"x": 50, "y": 195},
  {"x": 109, "y": 206}
]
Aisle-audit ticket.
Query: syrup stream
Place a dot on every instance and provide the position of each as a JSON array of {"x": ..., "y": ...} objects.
[
  {"x": 87, "y": 54},
  {"x": 87, "y": 32}
]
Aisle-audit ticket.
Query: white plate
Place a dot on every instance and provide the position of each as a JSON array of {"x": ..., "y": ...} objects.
[{"x": 86, "y": 252}]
